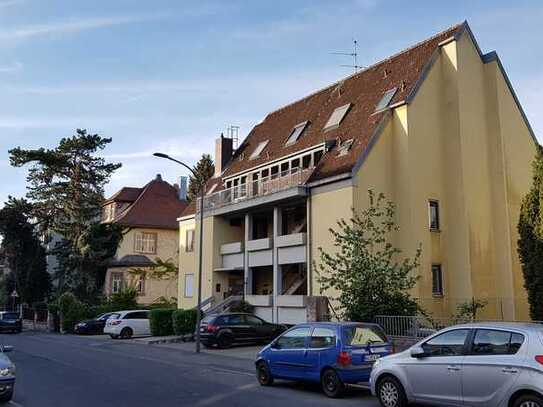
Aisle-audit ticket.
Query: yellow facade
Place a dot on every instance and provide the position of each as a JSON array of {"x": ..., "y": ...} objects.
[{"x": 461, "y": 140}]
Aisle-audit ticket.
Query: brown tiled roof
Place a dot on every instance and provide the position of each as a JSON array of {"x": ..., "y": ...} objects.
[
  {"x": 126, "y": 194},
  {"x": 363, "y": 90},
  {"x": 156, "y": 206}
]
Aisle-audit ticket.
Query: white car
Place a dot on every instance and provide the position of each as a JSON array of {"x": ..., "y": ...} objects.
[{"x": 125, "y": 324}]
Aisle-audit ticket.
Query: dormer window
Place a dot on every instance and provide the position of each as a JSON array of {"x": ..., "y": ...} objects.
[
  {"x": 258, "y": 150},
  {"x": 344, "y": 147},
  {"x": 336, "y": 117},
  {"x": 296, "y": 133},
  {"x": 386, "y": 99}
]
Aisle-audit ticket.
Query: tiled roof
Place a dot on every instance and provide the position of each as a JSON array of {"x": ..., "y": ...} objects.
[
  {"x": 362, "y": 90},
  {"x": 156, "y": 206},
  {"x": 132, "y": 260},
  {"x": 126, "y": 194}
]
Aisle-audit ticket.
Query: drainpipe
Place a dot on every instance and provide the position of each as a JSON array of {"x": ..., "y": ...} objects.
[{"x": 309, "y": 246}]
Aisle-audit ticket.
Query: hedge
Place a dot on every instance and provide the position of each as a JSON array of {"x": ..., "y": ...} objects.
[
  {"x": 160, "y": 321},
  {"x": 184, "y": 321}
]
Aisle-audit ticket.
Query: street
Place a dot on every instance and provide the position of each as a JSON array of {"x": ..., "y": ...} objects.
[{"x": 75, "y": 371}]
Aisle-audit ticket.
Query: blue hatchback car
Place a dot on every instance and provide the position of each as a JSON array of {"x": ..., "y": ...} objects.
[{"x": 334, "y": 354}]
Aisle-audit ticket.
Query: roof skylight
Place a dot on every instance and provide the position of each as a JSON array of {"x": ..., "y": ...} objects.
[
  {"x": 258, "y": 150},
  {"x": 344, "y": 147},
  {"x": 386, "y": 99},
  {"x": 336, "y": 117},
  {"x": 296, "y": 133}
]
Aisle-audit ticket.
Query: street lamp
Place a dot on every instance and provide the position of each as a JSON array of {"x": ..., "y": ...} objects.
[{"x": 201, "y": 192}]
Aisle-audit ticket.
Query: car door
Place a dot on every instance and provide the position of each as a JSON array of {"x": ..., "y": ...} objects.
[
  {"x": 132, "y": 319},
  {"x": 237, "y": 324},
  {"x": 492, "y": 366},
  {"x": 436, "y": 377},
  {"x": 288, "y": 354},
  {"x": 321, "y": 351},
  {"x": 258, "y": 329}
]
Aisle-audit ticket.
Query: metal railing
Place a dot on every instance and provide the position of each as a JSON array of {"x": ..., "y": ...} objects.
[
  {"x": 224, "y": 305},
  {"x": 253, "y": 189}
]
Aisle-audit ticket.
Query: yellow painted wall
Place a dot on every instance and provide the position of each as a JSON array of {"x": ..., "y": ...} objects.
[{"x": 187, "y": 265}]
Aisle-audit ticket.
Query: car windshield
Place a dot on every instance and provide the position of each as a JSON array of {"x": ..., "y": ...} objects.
[
  {"x": 363, "y": 335},
  {"x": 103, "y": 317},
  {"x": 10, "y": 316},
  {"x": 114, "y": 316}
]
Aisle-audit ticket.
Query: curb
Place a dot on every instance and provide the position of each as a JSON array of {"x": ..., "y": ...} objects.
[{"x": 172, "y": 339}]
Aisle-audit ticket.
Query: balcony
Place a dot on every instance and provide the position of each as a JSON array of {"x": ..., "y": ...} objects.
[
  {"x": 232, "y": 256},
  {"x": 260, "y": 252},
  {"x": 274, "y": 188}
]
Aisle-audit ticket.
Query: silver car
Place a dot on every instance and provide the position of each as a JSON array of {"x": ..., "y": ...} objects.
[{"x": 479, "y": 364}]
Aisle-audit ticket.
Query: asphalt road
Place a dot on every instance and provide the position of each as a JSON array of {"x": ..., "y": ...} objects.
[{"x": 71, "y": 371}]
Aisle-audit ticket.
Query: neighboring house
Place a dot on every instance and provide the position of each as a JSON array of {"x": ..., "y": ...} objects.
[
  {"x": 148, "y": 216},
  {"x": 437, "y": 128}
]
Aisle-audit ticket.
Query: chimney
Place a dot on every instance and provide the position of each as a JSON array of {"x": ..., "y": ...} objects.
[
  {"x": 182, "y": 191},
  {"x": 158, "y": 177},
  {"x": 223, "y": 153}
]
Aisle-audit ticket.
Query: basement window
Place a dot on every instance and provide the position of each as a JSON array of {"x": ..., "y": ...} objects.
[
  {"x": 296, "y": 133},
  {"x": 344, "y": 147},
  {"x": 386, "y": 99},
  {"x": 336, "y": 117},
  {"x": 258, "y": 150}
]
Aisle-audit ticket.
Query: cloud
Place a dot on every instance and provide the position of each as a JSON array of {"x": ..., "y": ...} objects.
[
  {"x": 11, "y": 68},
  {"x": 9, "y": 3},
  {"x": 72, "y": 26}
]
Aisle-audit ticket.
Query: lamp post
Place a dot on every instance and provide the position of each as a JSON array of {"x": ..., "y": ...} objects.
[{"x": 201, "y": 239}]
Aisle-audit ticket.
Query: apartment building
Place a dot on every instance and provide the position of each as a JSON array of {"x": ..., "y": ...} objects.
[
  {"x": 149, "y": 219},
  {"x": 437, "y": 128}
]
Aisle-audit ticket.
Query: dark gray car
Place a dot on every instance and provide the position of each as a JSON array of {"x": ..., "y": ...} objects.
[{"x": 7, "y": 375}]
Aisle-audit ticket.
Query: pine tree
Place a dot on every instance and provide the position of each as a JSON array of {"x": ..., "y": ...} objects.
[
  {"x": 204, "y": 170},
  {"x": 66, "y": 189},
  {"x": 365, "y": 269},
  {"x": 530, "y": 242}
]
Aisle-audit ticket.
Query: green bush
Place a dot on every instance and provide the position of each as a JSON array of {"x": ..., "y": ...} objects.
[
  {"x": 184, "y": 321},
  {"x": 72, "y": 311},
  {"x": 242, "y": 306},
  {"x": 160, "y": 321}
]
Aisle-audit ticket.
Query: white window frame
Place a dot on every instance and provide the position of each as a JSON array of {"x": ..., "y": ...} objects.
[
  {"x": 116, "y": 282},
  {"x": 189, "y": 240},
  {"x": 431, "y": 203},
  {"x": 296, "y": 133},
  {"x": 145, "y": 242},
  {"x": 258, "y": 150},
  {"x": 189, "y": 285},
  {"x": 337, "y": 117}
]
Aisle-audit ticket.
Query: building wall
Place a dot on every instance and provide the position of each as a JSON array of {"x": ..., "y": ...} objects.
[
  {"x": 187, "y": 265},
  {"x": 166, "y": 249}
]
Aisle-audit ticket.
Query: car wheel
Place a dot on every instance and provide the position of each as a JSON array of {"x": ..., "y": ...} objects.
[
  {"x": 263, "y": 374},
  {"x": 225, "y": 341},
  {"x": 391, "y": 393},
  {"x": 126, "y": 333},
  {"x": 114, "y": 336},
  {"x": 332, "y": 385},
  {"x": 529, "y": 400},
  {"x": 4, "y": 398}
]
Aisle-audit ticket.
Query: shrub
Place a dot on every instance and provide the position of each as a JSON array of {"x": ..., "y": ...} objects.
[
  {"x": 242, "y": 306},
  {"x": 184, "y": 321},
  {"x": 125, "y": 299},
  {"x": 160, "y": 321},
  {"x": 72, "y": 311}
]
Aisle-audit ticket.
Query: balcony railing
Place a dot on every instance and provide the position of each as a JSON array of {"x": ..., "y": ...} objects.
[{"x": 253, "y": 189}]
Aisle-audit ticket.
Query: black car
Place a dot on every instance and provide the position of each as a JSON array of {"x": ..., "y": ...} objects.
[
  {"x": 92, "y": 326},
  {"x": 224, "y": 330},
  {"x": 10, "y": 322}
]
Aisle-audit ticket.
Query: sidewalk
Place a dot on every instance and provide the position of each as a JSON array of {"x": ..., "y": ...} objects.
[{"x": 239, "y": 352}]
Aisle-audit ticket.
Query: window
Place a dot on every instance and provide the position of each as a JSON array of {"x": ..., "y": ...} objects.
[
  {"x": 293, "y": 339},
  {"x": 140, "y": 285},
  {"x": 145, "y": 243},
  {"x": 252, "y": 320},
  {"x": 189, "y": 240},
  {"x": 137, "y": 315},
  {"x": 336, "y": 117},
  {"x": 363, "y": 335},
  {"x": 322, "y": 338},
  {"x": 116, "y": 282},
  {"x": 10, "y": 316},
  {"x": 317, "y": 157},
  {"x": 493, "y": 342},
  {"x": 433, "y": 209},
  {"x": 437, "y": 279},
  {"x": 258, "y": 150},
  {"x": 296, "y": 133},
  {"x": 344, "y": 147},
  {"x": 450, "y": 343},
  {"x": 386, "y": 99},
  {"x": 306, "y": 161},
  {"x": 189, "y": 285}
]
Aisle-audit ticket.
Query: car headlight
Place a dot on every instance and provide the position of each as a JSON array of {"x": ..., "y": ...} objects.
[{"x": 8, "y": 371}]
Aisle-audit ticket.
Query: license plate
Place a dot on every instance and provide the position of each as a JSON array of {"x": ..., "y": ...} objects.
[{"x": 372, "y": 358}]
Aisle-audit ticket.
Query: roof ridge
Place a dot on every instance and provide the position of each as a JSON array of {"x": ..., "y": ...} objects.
[
  {"x": 133, "y": 204},
  {"x": 395, "y": 55}
]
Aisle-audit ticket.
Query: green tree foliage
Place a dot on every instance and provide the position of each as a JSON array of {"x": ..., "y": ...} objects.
[
  {"x": 24, "y": 252},
  {"x": 66, "y": 189},
  {"x": 468, "y": 310},
  {"x": 365, "y": 269},
  {"x": 161, "y": 321},
  {"x": 204, "y": 170},
  {"x": 530, "y": 242},
  {"x": 184, "y": 321}
]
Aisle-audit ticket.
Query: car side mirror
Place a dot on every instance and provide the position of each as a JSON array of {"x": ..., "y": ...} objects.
[
  {"x": 7, "y": 348},
  {"x": 417, "y": 352}
]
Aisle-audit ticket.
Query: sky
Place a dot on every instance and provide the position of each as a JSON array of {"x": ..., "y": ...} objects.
[{"x": 170, "y": 76}]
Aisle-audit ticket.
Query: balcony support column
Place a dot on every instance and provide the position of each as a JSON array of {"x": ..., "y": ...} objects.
[
  {"x": 277, "y": 275},
  {"x": 247, "y": 272}
]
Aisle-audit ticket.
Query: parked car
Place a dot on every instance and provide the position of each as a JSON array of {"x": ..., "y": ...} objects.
[
  {"x": 334, "y": 354},
  {"x": 7, "y": 374},
  {"x": 92, "y": 326},
  {"x": 125, "y": 324},
  {"x": 10, "y": 322},
  {"x": 227, "y": 329},
  {"x": 483, "y": 364}
]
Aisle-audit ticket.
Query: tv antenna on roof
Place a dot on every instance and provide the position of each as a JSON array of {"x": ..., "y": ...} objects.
[
  {"x": 353, "y": 54},
  {"x": 233, "y": 133}
]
